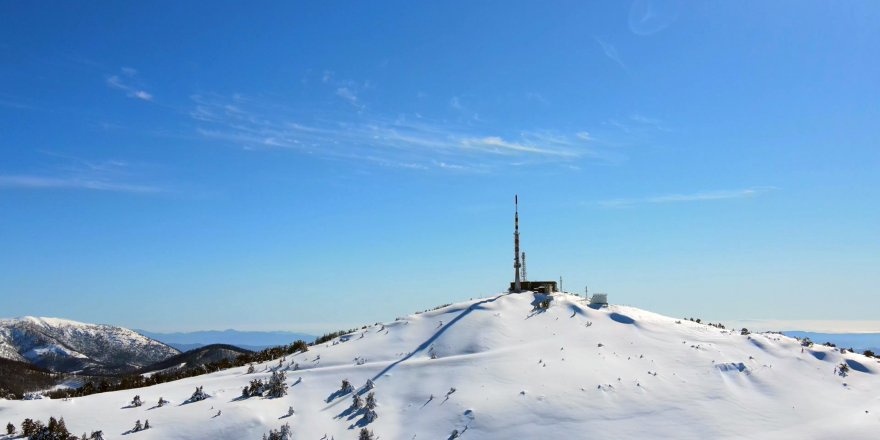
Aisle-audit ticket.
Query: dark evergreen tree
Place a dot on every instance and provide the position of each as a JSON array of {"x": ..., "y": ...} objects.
[
  {"x": 136, "y": 401},
  {"x": 137, "y": 426},
  {"x": 371, "y": 401},
  {"x": 198, "y": 395},
  {"x": 370, "y": 416},
  {"x": 10, "y": 429},
  {"x": 346, "y": 386},
  {"x": 366, "y": 434},
  {"x": 27, "y": 427},
  {"x": 146, "y": 424},
  {"x": 357, "y": 402},
  {"x": 277, "y": 386}
]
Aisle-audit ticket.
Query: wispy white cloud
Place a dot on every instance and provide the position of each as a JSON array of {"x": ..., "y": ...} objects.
[
  {"x": 128, "y": 86},
  {"x": 49, "y": 182},
  {"x": 348, "y": 95},
  {"x": 535, "y": 96},
  {"x": 704, "y": 196},
  {"x": 402, "y": 141},
  {"x": 611, "y": 52},
  {"x": 78, "y": 174},
  {"x": 455, "y": 103}
]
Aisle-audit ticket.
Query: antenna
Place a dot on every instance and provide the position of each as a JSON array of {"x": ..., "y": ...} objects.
[
  {"x": 560, "y": 283},
  {"x": 517, "y": 287},
  {"x": 524, "y": 277}
]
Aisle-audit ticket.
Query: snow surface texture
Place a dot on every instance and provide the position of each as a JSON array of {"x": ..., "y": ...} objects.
[
  {"x": 496, "y": 368},
  {"x": 70, "y": 346}
]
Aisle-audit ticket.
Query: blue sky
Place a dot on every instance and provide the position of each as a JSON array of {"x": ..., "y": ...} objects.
[{"x": 317, "y": 165}]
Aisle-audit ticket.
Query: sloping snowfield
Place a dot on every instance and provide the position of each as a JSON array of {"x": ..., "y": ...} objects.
[{"x": 569, "y": 372}]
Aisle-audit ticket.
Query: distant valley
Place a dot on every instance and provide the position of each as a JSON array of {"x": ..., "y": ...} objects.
[{"x": 249, "y": 340}]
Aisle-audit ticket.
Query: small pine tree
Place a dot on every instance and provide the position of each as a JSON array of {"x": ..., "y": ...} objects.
[
  {"x": 162, "y": 402},
  {"x": 277, "y": 386},
  {"x": 369, "y": 385},
  {"x": 27, "y": 427},
  {"x": 346, "y": 386},
  {"x": 365, "y": 434},
  {"x": 357, "y": 402},
  {"x": 869, "y": 353},
  {"x": 136, "y": 401},
  {"x": 137, "y": 426},
  {"x": 97, "y": 435},
  {"x": 371, "y": 401},
  {"x": 147, "y": 424},
  {"x": 10, "y": 429},
  {"x": 250, "y": 369},
  {"x": 198, "y": 395},
  {"x": 290, "y": 411},
  {"x": 370, "y": 416}
]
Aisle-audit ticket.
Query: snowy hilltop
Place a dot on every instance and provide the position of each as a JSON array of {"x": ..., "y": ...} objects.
[
  {"x": 61, "y": 345},
  {"x": 505, "y": 367}
]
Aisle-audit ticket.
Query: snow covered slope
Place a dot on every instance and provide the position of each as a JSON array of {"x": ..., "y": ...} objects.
[
  {"x": 68, "y": 346},
  {"x": 495, "y": 368}
]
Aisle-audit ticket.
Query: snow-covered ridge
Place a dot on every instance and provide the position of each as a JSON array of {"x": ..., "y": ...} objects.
[
  {"x": 497, "y": 368},
  {"x": 67, "y": 346}
]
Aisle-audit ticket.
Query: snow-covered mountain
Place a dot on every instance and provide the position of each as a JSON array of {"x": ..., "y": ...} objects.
[
  {"x": 68, "y": 346},
  {"x": 498, "y": 368}
]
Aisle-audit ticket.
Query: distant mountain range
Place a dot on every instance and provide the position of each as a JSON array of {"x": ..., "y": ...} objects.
[
  {"x": 65, "y": 346},
  {"x": 250, "y": 340},
  {"x": 857, "y": 341}
]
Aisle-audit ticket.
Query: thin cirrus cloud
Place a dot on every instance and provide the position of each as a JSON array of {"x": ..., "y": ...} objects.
[
  {"x": 404, "y": 142},
  {"x": 127, "y": 83},
  {"x": 79, "y": 174},
  {"x": 704, "y": 196},
  {"x": 611, "y": 52}
]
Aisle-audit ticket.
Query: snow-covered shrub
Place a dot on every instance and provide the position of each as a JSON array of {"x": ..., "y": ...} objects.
[
  {"x": 198, "y": 395},
  {"x": 162, "y": 402},
  {"x": 146, "y": 424},
  {"x": 370, "y": 403},
  {"x": 276, "y": 386},
  {"x": 868, "y": 353},
  {"x": 10, "y": 429},
  {"x": 366, "y": 434},
  {"x": 370, "y": 416},
  {"x": 744, "y": 331},
  {"x": 255, "y": 388},
  {"x": 346, "y": 386},
  {"x": 250, "y": 369},
  {"x": 357, "y": 402},
  {"x": 282, "y": 434},
  {"x": 806, "y": 342},
  {"x": 137, "y": 426},
  {"x": 843, "y": 369},
  {"x": 136, "y": 401},
  {"x": 369, "y": 385}
]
